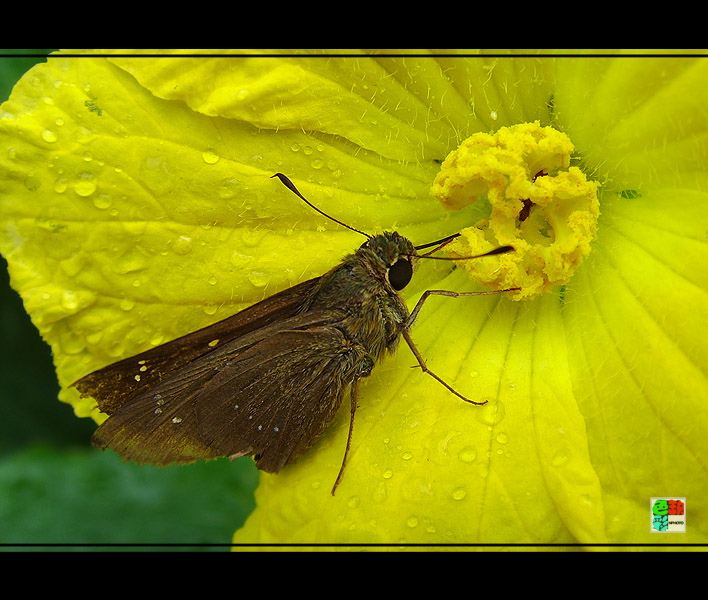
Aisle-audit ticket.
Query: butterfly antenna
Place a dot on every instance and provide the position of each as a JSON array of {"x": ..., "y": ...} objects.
[
  {"x": 445, "y": 241},
  {"x": 291, "y": 186}
]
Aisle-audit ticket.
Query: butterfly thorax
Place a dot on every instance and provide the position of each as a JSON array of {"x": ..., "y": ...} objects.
[{"x": 373, "y": 311}]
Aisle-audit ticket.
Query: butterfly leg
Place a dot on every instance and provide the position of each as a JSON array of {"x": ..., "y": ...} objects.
[
  {"x": 407, "y": 336},
  {"x": 353, "y": 393},
  {"x": 429, "y": 293},
  {"x": 364, "y": 371},
  {"x": 423, "y": 366}
]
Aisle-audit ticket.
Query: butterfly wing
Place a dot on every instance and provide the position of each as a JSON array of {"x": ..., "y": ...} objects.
[
  {"x": 270, "y": 396},
  {"x": 278, "y": 397},
  {"x": 117, "y": 384}
]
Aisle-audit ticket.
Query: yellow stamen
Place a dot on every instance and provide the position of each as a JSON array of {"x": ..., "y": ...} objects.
[{"x": 543, "y": 207}]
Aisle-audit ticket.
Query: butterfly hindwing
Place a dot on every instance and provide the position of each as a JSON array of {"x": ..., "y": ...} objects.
[{"x": 278, "y": 397}]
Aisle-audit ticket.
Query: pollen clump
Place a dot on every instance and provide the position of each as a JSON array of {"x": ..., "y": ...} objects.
[{"x": 540, "y": 205}]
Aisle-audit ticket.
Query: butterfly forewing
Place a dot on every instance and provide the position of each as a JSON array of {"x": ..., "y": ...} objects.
[
  {"x": 117, "y": 384},
  {"x": 160, "y": 425}
]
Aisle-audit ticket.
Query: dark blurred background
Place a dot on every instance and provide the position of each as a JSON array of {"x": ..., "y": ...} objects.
[{"x": 56, "y": 490}]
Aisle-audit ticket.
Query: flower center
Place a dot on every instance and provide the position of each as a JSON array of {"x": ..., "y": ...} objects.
[{"x": 544, "y": 208}]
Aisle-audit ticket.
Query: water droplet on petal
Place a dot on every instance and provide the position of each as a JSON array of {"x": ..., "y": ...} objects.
[
  {"x": 102, "y": 201},
  {"x": 491, "y": 413},
  {"x": 459, "y": 493},
  {"x": 86, "y": 185},
  {"x": 258, "y": 278},
  {"x": 49, "y": 136},
  {"x": 210, "y": 156},
  {"x": 560, "y": 459},
  {"x": 182, "y": 245},
  {"x": 467, "y": 455}
]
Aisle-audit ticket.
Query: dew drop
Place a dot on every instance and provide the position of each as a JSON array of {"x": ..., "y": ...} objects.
[
  {"x": 467, "y": 455},
  {"x": 209, "y": 309},
  {"x": 252, "y": 237},
  {"x": 212, "y": 280},
  {"x": 129, "y": 262},
  {"x": 412, "y": 522},
  {"x": 182, "y": 245},
  {"x": 258, "y": 278},
  {"x": 102, "y": 202},
  {"x": 86, "y": 185},
  {"x": 407, "y": 455},
  {"x": 60, "y": 185},
  {"x": 503, "y": 438},
  {"x": 127, "y": 304},
  {"x": 210, "y": 156},
  {"x": 353, "y": 502},
  {"x": 71, "y": 343},
  {"x": 94, "y": 338},
  {"x": 387, "y": 474},
  {"x": 49, "y": 136},
  {"x": 459, "y": 493},
  {"x": 560, "y": 459},
  {"x": 317, "y": 163},
  {"x": 491, "y": 413},
  {"x": 69, "y": 300}
]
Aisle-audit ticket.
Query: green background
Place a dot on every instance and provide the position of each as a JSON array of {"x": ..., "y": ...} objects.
[{"x": 59, "y": 491}]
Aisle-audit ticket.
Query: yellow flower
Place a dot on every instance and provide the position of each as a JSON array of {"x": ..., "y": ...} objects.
[{"x": 137, "y": 205}]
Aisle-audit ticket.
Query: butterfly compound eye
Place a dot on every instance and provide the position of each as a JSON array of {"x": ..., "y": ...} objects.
[{"x": 400, "y": 273}]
